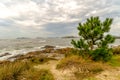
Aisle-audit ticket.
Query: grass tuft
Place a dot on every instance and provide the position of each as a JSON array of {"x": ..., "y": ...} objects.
[
  {"x": 24, "y": 70},
  {"x": 115, "y": 61},
  {"x": 33, "y": 74},
  {"x": 70, "y": 61},
  {"x": 80, "y": 67},
  {"x": 11, "y": 71}
]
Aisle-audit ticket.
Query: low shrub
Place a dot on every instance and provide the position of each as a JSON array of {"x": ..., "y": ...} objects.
[
  {"x": 101, "y": 54},
  {"x": 116, "y": 50},
  {"x": 70, "y": 61},
  {"x": 39, "y": 60}
]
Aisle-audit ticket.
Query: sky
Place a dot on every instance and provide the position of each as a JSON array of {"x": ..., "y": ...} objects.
[{"x": 53, "y": 18}]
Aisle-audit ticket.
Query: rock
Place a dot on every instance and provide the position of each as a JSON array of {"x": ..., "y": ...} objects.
[
  {"x": 15, "y": 57},
  {"x": 48, "y": 50},
  {"x": 33, "y": 53},
  {"x": 5, "y": 54},
  {"x": 48, "y": 46}
]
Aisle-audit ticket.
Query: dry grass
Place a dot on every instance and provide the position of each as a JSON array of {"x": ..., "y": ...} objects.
[
  {"x": 11, "y": 71},
  {"x": 33, "y": 74},
  {"x": 87, "y": 70},
  {"x": 64, "y": 50},
  {"x": 24, "y": 70},
  {"x": 80, "y": 67},
  {"x": 69, "y": 62}
]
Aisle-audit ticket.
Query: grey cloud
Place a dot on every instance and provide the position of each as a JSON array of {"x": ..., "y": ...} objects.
[
  {"x": 61, "y": 29},
  {"x": 6, "y": 22},
  {"x": 54, "y": 17}
]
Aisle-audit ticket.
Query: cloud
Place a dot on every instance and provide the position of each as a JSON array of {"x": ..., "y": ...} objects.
[
  {"x": 61, "y": 28},
  {"x": 47, "y": 18}
]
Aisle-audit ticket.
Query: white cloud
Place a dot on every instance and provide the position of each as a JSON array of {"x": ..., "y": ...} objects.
[{"x": 31, "y": 16}]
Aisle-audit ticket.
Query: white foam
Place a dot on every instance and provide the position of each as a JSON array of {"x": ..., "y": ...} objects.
[{"x": 16, "y": 52}]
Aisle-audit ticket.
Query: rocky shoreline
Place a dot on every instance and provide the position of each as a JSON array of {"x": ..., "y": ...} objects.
[{"x": 45, "y": 51}]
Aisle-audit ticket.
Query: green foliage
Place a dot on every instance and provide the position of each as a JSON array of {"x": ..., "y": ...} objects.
[
  {"x": 115, "y": 61},
  {"x": 102, "y": 54},
  {"x": 92, "y": 36}
]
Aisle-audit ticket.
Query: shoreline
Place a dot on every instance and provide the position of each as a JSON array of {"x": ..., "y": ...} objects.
[{"x": 13, "y": 54}]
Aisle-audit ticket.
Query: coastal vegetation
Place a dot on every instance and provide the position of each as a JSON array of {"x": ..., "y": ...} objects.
[
  {"x": 80, "y": 67},
  {"x": 19, "y": 70},
  {"x": 92, "y": 46},
  {"x": 90, "y": 57}
]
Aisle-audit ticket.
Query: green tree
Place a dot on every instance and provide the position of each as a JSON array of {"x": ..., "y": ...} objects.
[{"x": 94, "y": 34}]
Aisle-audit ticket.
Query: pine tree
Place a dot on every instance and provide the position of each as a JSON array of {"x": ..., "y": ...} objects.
[{"x": 94, "y": 34}]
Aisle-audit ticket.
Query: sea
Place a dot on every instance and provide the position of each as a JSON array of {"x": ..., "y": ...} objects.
[{"x": 16, "y": 47}]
